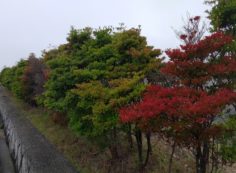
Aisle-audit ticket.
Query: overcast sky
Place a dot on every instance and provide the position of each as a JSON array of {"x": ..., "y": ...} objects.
[{"x": 33, "y": 25}]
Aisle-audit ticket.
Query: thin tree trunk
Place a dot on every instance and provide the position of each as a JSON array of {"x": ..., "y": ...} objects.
[
  {"x": 149, "y": 148},
  {"x": 204, "y": 157},
  {"x": 149, "y": 142},
  {"x": 217, "y": 156},
  {"x": 213, "y": 156},
  {"x": 197, "y": 158},
  {"x": 113, "y": 146},
  {"x": 171, "y": 157},
  {"x": 202, "y": 154},
  {"x": 138, "y": 135},
  {"x": 129, "y": 135}
]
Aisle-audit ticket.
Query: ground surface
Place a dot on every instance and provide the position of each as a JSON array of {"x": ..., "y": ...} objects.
[
  {"x": 89, "y": 158},
  {"x": 231, "y": 169},
  {"x": 6, "y": 165}
]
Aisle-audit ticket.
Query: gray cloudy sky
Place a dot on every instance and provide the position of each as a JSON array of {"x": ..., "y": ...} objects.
[{"x": 33, "y": 25}]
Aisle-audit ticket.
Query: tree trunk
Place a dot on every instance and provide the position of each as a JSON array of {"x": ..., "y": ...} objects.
[
  {"x": 197, "y": 157},
  {"x": 202, "y": 154},
  {"x": 204, "y": 158},
  {"x": 138, "y": 135},
  {"x": 129, "y": 135},
  {"x": 212, "y": 155},
  {"x": 113, "y": 146},
  {"x": 171, "y": 157},
  {"x": 149, "y": 148}
]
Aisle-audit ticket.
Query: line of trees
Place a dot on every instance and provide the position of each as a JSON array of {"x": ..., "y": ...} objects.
[
  {"x": 108, "y": 83},
  {"x": 87, "y": 80}
]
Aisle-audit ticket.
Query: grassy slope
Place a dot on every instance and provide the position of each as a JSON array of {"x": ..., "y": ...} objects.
[{"x": 89, "y": 158}]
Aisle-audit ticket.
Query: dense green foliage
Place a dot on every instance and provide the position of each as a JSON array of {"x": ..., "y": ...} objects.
[
  {"x": 12, "y": 78},
  {"x": 88, "y": 79},
  {"x": 223, "y": 15},
  {"x": 228, "y": 141},
  {"x": 96, "y": 73}
]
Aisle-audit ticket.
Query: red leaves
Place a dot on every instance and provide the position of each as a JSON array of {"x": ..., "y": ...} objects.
[
  {"x": 183, "y": 36},
  {"x": 187, "y": 110},
  {"x": 207, "y": 45},
  {"x": 33, "y": 78},
  {"x": 212, "y": 105},
  {"x": 178, "y": 103},
  {"x": 226, "y": 66},
  {"x": 196, "y": 18},
  {"x": 201, "y": 49},
  {"x": 196, "y": 64}
]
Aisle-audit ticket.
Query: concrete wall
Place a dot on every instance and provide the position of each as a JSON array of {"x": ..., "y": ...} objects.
[
  {"x": 30, "y": 151},
  {"x": 6, "y": 165}
]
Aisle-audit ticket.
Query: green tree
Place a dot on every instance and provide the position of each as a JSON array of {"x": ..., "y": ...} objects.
[
  {"x": 223, "y": 15},
  {"x": 96, "y": 73},
  {"x": 12, "y": 78},
  {"x": 228, "y": 141}
]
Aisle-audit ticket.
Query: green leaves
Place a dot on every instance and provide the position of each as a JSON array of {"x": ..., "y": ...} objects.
[
  {"x": 223, "y": 16},
  {"x": 89, "y": 78},
  {"x": 96, "y": 73},
  {"x": 228, "y": 141},
  {"x": 12, "y": 78}
]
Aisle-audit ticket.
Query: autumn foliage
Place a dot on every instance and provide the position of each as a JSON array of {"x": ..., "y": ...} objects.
[
  {"x": 178, "y": 102},
  {"x": 106, "y": 84},
  {"x": 197, "y": 64},
  {"x": 187, "y": 111},
  {"x": 33, "y": 79}
]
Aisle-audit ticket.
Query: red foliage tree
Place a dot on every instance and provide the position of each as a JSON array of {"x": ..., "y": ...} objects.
[
  {"x": 192, "y": 31},
  {"x": 187, "y": 112},
  {"x": 33, "y": 79}
]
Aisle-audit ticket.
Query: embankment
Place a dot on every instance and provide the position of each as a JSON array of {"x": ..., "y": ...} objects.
[{"x": 30, "y": 151}]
